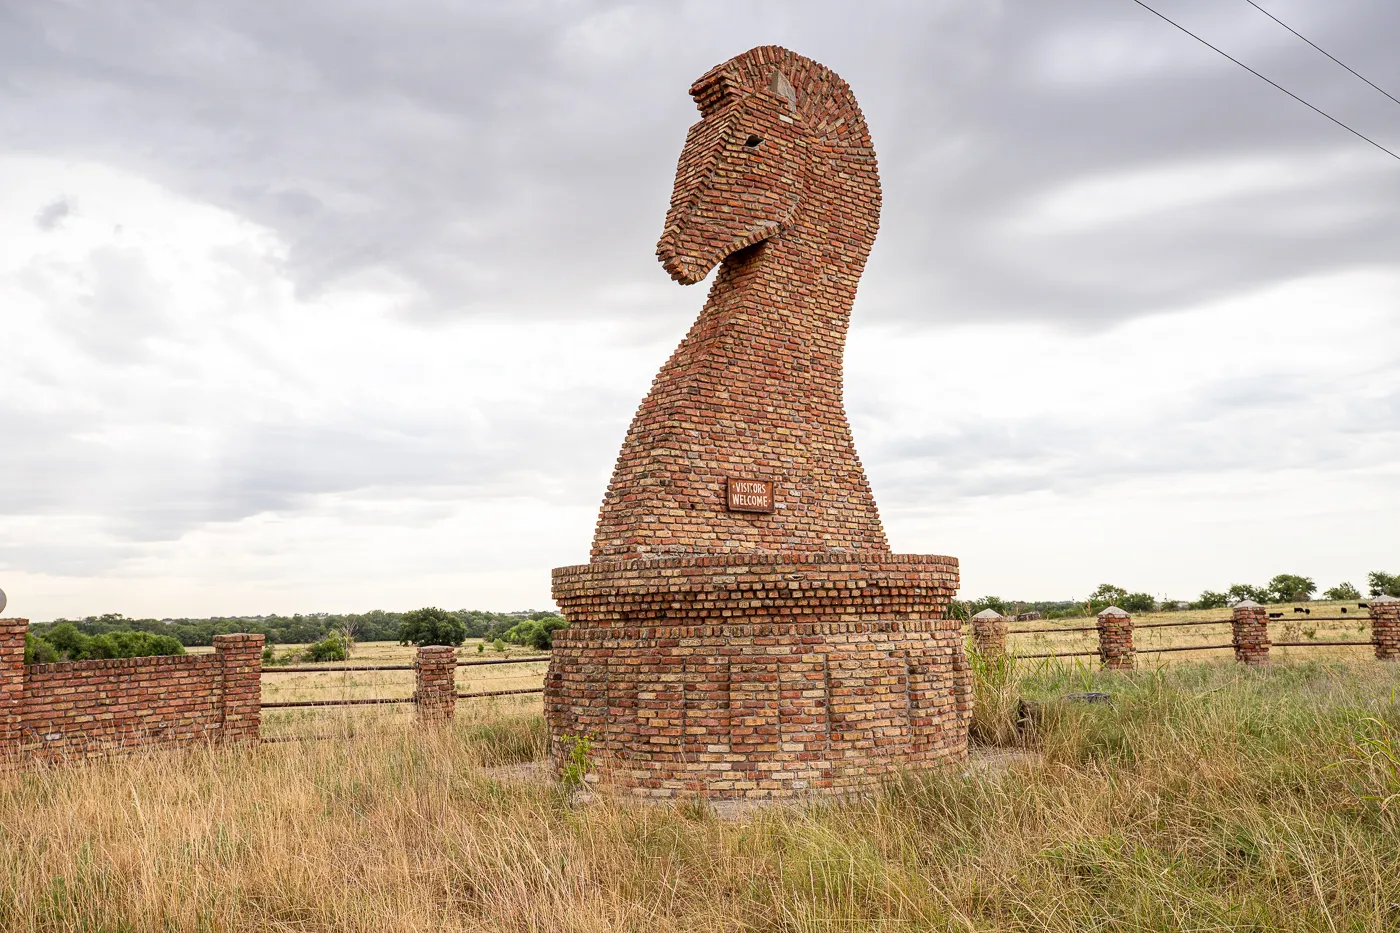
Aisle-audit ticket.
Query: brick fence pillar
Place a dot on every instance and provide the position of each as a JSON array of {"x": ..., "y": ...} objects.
[
  {"x": 11, "y": 682},
  {"x": 1385, "y": 627},
  {"x": 989, "y": 633},
  {"x": 240, "y": 664},
  {"x": 1250, "y": 626},
  {"x": 435, "y": 673},
  {"x": 1116, "y": 639}
]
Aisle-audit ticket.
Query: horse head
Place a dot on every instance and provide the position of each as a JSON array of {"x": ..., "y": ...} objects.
[{"x": 741, "y": 174}]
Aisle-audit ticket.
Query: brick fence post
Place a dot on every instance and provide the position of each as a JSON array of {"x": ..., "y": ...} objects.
[
  {"x": 1116, "y": 639},
  {"x": 435, "y": 674},
  {"x": 1385, "y": 627},
  {"x": 240, "y": 666},
  {"x": 1250, "y": 626},
  {"x": 989, "y": 633},
  {"x": 12, "y": 633}
]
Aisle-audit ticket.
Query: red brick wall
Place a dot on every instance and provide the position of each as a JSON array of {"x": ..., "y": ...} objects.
[{"x": 77, "y": 708}]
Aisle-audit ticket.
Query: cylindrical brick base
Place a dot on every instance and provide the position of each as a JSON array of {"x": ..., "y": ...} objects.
[
  {"x": 1116, "y": 639},
  {"x": 435, "y": 674},
  {"x": 1250, "y": 626},
  {"x": 989, "y": 633},
  {"x": 758, "y": 675},
  {"x": 1385, "y": 627}
]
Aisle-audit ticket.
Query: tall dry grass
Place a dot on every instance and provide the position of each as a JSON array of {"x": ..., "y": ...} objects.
[{"x": 1203, "y": 798}]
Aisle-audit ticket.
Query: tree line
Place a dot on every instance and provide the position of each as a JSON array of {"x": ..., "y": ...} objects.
[
  {"x": 376, "y": 625},
  {"x": 1282, "y": 588}
]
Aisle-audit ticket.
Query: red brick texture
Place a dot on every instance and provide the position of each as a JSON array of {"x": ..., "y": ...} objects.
[
  {"x": 1116, "y": 639},
  {"x": 989, "y": 633},
  {"x": 759, "y": 675},
  {"x": 78, "y": 708},
  {"x": 755, "y": 388},
  {"x": 1385, "y": 627},
  {"x": 728, "y": 653},
  {"x": 435, "y": 676},
  {"x": 1250, "y": 626},
  {"x": 11, "y": 682}
]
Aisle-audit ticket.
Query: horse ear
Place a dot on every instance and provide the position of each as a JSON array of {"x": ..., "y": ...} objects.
[{"x": 780, "y": 85}]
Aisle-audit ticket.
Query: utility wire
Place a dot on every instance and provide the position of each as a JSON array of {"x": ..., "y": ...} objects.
[
  {"x": 1267, "y": 81},
  {"x": 1322, "y": 50}
]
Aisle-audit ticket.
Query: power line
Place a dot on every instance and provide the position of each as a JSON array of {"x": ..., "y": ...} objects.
[
  {"x": 1322, "y": 50},
  {"x": 1267, "y": 81}
]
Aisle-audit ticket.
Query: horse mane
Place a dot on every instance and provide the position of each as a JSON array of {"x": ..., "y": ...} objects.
[{"x": 822, "y": 98}]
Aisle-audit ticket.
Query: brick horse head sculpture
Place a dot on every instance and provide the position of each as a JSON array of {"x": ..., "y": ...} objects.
[{"x": 720, "y": 650}]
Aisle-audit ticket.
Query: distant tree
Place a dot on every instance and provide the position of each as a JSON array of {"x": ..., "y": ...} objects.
[
  {"x": 1239, "y": 591},
  {"x": 1342, "y": 591},
  {"x": 1212, "y": 600},
  {"x": 1109, "y": 594},
  {"x": 1291, "y": 588},
  {"x": 1137, "y": 602},
  {"x": 431, "y": 626},
  {"x": 1383, "y": 584}
]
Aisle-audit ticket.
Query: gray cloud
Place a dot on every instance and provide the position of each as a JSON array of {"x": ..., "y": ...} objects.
[
  {"x": 518, "y": 157},
  {"x": 1079, "y": 163},
  {"x": 52, "y": 214},
  {"x": 1252, "y": 426}
]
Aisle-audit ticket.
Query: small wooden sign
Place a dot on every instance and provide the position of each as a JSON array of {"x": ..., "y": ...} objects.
[{"x": 749, "y": 495}]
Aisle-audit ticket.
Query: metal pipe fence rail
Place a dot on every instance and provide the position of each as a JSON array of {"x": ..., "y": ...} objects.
[
  {"x": 435, "y": 686},
  {"x": 1249, "y": 623}
]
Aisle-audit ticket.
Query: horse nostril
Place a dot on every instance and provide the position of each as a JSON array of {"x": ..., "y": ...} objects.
[{"x": 753, "y": 142}]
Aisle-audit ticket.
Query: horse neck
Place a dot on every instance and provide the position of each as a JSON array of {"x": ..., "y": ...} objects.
[{"x": 806, "y": 277}]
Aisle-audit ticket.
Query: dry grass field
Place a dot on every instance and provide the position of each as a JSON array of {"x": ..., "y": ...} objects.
[{"x": 1204, "y": 797}]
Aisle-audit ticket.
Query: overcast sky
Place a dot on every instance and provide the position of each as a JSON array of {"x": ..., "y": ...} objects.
[{"x": 347, "y": 305}]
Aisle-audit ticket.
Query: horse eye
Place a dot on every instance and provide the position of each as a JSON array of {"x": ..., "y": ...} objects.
[{"x": 753, "y": 142}]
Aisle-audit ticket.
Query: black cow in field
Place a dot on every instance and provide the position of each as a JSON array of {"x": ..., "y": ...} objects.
[{"x": 1276, "y": 615}]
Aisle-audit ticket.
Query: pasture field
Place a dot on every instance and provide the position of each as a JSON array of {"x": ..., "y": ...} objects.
[
  {"x": 1293, "y": 627},
  {"x": 1204, "y": 797},
  {"x": 280, "y": 686}
]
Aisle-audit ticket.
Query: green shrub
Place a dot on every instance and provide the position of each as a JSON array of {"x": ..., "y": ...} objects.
[
  {"x": 38, "y": 651},
  {"x": 68, "y": 644},
  {"x": 536, "y": 633},
  {"x": 331, "y": 648},
  {"x": 431, "y": 626}
]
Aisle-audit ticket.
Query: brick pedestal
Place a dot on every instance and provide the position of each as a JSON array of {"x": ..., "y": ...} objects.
[
  {"x": 435, "y": 675},
  {"x": 240, "y": 663},
  {"x": 1385, "y": 627},
  {"x": 1250, "y": 625},
  {"x": 989, "y": 633},
  {"x": 11, "y": 683},
  {"x": 1116, "y": 639},
  {"x": 758, "y": 675}
]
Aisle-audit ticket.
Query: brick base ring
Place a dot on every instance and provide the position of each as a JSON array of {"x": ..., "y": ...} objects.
[{"x": 758, "y": 675}]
